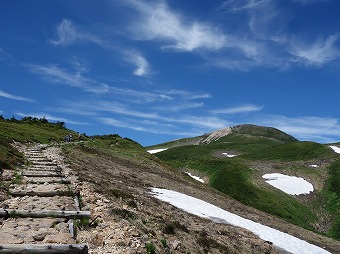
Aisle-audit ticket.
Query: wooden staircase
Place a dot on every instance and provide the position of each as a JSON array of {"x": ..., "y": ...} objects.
[{"x": 41, "y": 214}]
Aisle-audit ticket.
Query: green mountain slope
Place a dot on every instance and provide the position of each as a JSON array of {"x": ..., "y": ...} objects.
[
  {"x": 259, "y": 150},
  {"x": 122, "y": 171}
]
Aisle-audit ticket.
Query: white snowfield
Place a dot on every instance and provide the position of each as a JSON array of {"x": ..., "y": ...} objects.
[
  {"x": 205, "y": 210},
  {"x": 229, "y": 155},
  {"x": 197, "y": 178},
  {"x": 335, "y": 149},
  {"x": 157, "y": 150},
  {"x": 289, "y": 184}
]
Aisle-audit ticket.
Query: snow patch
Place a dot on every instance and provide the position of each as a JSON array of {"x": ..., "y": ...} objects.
[
  {"x": 197, "y": 178},
  {"x": 289, "y": 184},
  {"x": 335, "y": 149},
  {"x": 206, "y": 210},
  {"x": 157, "y": 150},
  {"x": 229, "y": 155}
]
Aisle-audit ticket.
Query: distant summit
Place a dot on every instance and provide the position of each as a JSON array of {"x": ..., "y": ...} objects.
[{"x": 244, "y": 131}]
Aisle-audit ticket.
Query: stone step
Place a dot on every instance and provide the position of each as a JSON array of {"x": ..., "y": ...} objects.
[
  {"x": 27, "y": 230},
  {"x": 40, "y": 203}
]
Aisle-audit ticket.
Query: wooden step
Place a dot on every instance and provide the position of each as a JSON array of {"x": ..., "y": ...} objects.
[
  {"x": 42, "y": 181},
  {"x": 42, "y": 174},
  {"x": 44, "y": 213},
  {"x": 22, "y": 193},
  {"x": 44, "y": 248}
]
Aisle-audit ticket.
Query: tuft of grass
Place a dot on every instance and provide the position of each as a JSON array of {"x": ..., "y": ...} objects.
[
  {"x": 150, "y": 248},
  {"x": 17, "y": 179},
  {"x": 123, "y": 213}
]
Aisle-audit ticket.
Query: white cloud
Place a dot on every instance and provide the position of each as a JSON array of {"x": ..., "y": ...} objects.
[
  {"x": 305, "y": 2},
  {"x": 159, "y": 22},
  {"x": 319, "y": 53},
  {"x": 187, "y": 95},
  {"x": 237, "y": 5},
  {"x": 68, "y": 34},
  {"x": 142, "y": 65},
  {"x": 238, "y": 110},
  {"x": 55, "y": 74},
  {"x": 307, "y": 128},
  {"x": 15, "y": 97},
  {"x": 134, "y": 125}
]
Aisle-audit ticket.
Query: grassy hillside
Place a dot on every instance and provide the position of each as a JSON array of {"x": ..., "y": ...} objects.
[
  {"x": 27, "y": 130},
  {"x": 263, "y": 150}
]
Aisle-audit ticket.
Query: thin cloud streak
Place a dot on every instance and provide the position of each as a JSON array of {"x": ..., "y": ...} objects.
[
  {"x": 306, "y": 128},
  {"x": 55, "y": 74},
  {"x": 238, "y": 110},
  {"x": 15, "y": 97}
]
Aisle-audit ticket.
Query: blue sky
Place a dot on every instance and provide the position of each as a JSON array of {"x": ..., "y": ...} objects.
[{"x": 157, "y": 70}]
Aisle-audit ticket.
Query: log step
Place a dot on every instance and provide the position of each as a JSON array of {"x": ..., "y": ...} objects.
[
  {"x": 53, "y": 193},
  {"x": 44, "y": 248},
  {"x": 42, "y": 181},
  {"x": 42, "y": 174},
  {"x": 44, "y": 213}
]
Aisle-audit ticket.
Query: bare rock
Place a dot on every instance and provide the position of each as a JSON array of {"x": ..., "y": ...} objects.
[
  {"x": 60, "y": 238},
  {"x": 7, "y": 238},
  {"x": 176, "y": 244},
  {"x": 97, "y": 239}
]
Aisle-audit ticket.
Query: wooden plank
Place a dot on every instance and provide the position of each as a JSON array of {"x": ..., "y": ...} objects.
[
  {"x": 76, "y": 203},
  {"x": 52, "y": 193},
  {"x": 42, "y": 174},
  {"x": 44, "y": 213},
  {"x": 71, "y": 228},
  {"x": 42, "y": 181},
  {"x": 44, "y": 248}
]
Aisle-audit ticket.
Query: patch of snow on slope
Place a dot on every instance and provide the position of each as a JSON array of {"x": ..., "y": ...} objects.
[
  {"x": 205, "y": 210},
  {"x": 157, "y": 150},
  {"x": 229, "y": 155},
  {"x": 197, "y": 178},
  {"x": 290, "y": 184},
  {"x": 335, "y": 149}
]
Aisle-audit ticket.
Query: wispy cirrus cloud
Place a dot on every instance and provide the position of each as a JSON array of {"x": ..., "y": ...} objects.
[
  {"x": 15, "y": 97},
  {"x": 67, "y": 34},
  {"x": 55, "y": 74},
  {"x": 236, "y": 5},
  {"x": 242, "y": 109},
  {"x": 320, "y": 129},
  {"x": 305, "y": 2},
  {"x": 142, "y": 66},
  {"x": 158, "y": 22},
  {"x": 319, "y": 53}
]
